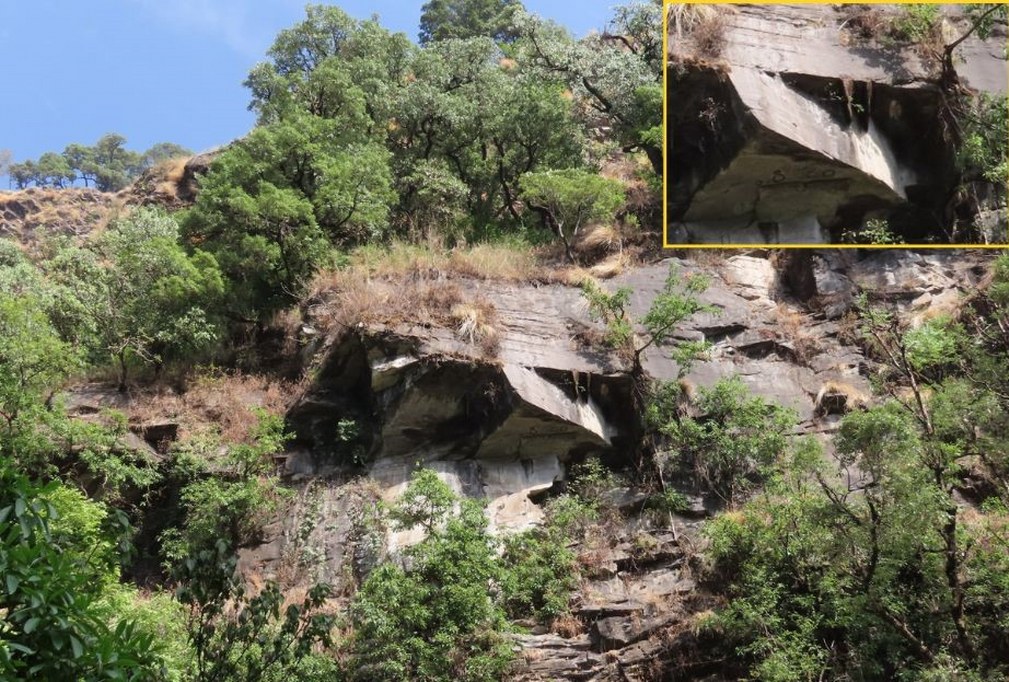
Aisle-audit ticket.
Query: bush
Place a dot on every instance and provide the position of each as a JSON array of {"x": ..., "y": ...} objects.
[
  {"x": 540, "y": 573},
  {"x": 52, "y": 624},
  {"x": 571, "y": 199},
  {"x": 434, "y": 619},
  {"x": 916, "y": 23},
  {"x": 733, "y": 444},
  {"x": 235, "y": 636},
  {"x": 233, "y": 505}
]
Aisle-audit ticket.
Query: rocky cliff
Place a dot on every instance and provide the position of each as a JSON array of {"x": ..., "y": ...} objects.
[
  {"x": 505, "y": 424},
  {"x": 796, "y": 124}
]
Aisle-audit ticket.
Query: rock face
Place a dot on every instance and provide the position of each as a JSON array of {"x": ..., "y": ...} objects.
[
  {"x": 386, "y": 398},
  {"x": 29, "y": 214},
  {"x": 500, "y": 429},
  {"x": 172, "y": 185},
  {"x": 804, "y": 126}
]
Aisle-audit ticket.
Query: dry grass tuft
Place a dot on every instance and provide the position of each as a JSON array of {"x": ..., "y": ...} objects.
[
  {"x": 703, "y": 26},
  {"x": 476, "y": 324},
  {"x": 791, "y": 327},
  {"x": 483, "y": 261},
  {"x": 214, "y": 401},
  {"x": 611, "y": 266},
  {"x": 567, "y": 626},
  {"x": 684, "y": 18},
  {"x": 601, "y": 238},
  {"x": 492, "y": 261},
  {"x": 839, "y": 397}
]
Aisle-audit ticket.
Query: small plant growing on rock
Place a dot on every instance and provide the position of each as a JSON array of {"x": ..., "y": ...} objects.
[
  {"x": 876, "y": 231},
  {"x": 676, "y": 302},
  {"x": 916, "y": 23}
]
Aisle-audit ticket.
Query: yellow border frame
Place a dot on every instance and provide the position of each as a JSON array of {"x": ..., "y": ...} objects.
[{"x": 665, "y": 141}]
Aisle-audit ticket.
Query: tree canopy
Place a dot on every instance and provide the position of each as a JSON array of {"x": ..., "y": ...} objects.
[{"x": 108, "y": 165}]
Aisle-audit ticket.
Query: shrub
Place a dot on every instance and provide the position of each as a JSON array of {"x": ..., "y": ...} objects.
[
  {"x": 236, "y": 636},
  {"x": 53, "y": 627},
  {"x": 571, "y": 199},
  {"x": 434, "y": 619},
  {"x": 916, "y": 23},
  {"x": 540, "y": 573},
  {"x": 233, "y": 505},
  {"x": 735, "y": 441},
  {"x": 675, "y": 303},
  {"x": 875, "y": 231}
]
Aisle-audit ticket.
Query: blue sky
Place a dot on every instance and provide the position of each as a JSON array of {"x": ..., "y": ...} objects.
[{"x": 164, "y": 70}]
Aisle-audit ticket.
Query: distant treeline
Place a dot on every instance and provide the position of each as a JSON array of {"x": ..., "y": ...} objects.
[{"x": 107, "y": 165}]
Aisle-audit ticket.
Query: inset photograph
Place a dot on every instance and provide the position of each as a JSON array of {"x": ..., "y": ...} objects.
[{"x": 854, "y": 124}]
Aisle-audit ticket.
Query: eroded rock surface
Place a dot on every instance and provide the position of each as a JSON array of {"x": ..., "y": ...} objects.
[
  {"x": 505, "y": 428},
  {"x": 803, "y": 127}
]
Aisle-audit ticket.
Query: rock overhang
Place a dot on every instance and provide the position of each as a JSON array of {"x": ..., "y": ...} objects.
[{"x": 795, "y": 133}]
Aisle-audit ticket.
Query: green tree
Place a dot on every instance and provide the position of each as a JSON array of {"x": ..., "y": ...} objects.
[
  {"x": 112, "y": 164},
  {"x": 454, "y": 114},
  {"x": 81, "y": 160},
  {"x": 273, "y": 204},
  {"x": 870, "y": 566},
  {"x": 50, "y": 620},
  {"x": 570, "y": 199},
  {"x": 54, "y": 171},
  {"x": 487, "y": 122},
  {"x": 732, "y": 445},
  {"x": 134, "y": 295},
  {"x": 374, "y": 60},
  {"x": 23, "y": 174},
  {"x": 238, "y": 636},
  {"x": 434, "y": 620},
  {"x": 34, "y": 361},
  {"x": 637, "y": 26},
  {"x": 617, "y": 84},
  {"x": 236, "y": 503},
  {"x": 447, "y": 19}
]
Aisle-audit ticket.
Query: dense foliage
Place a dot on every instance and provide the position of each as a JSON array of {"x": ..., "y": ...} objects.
[
  {"x": 888, "y": 562},
  {"x": 364, "y": 136}
]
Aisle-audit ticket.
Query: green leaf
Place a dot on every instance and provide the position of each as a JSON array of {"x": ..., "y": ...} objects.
[{"x": 77, "y": 647}]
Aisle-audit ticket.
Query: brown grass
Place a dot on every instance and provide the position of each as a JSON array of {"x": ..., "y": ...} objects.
[
  {"x": 36, "y": 212},
  {"x": 854, "y": 398},
  {"x": 214, "y": 401},
  {"x": 791, "y": 327},
  {"x": 605, "y": 238},
  {"x": 567, "y": 626},
  {"x": 350, "y": 300},
  {"x": 405, "y": 283},
  {"x": 708, "y": 37},
  {"x": 866, "y": 23},
  {"x": 476, "y": 324},
  {"x": 611, "y": 266}
]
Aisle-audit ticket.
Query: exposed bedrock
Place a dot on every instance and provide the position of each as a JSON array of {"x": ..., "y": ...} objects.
[
  {"x": 799, "y": 131},
  {"x": 386, "y": 398}
]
